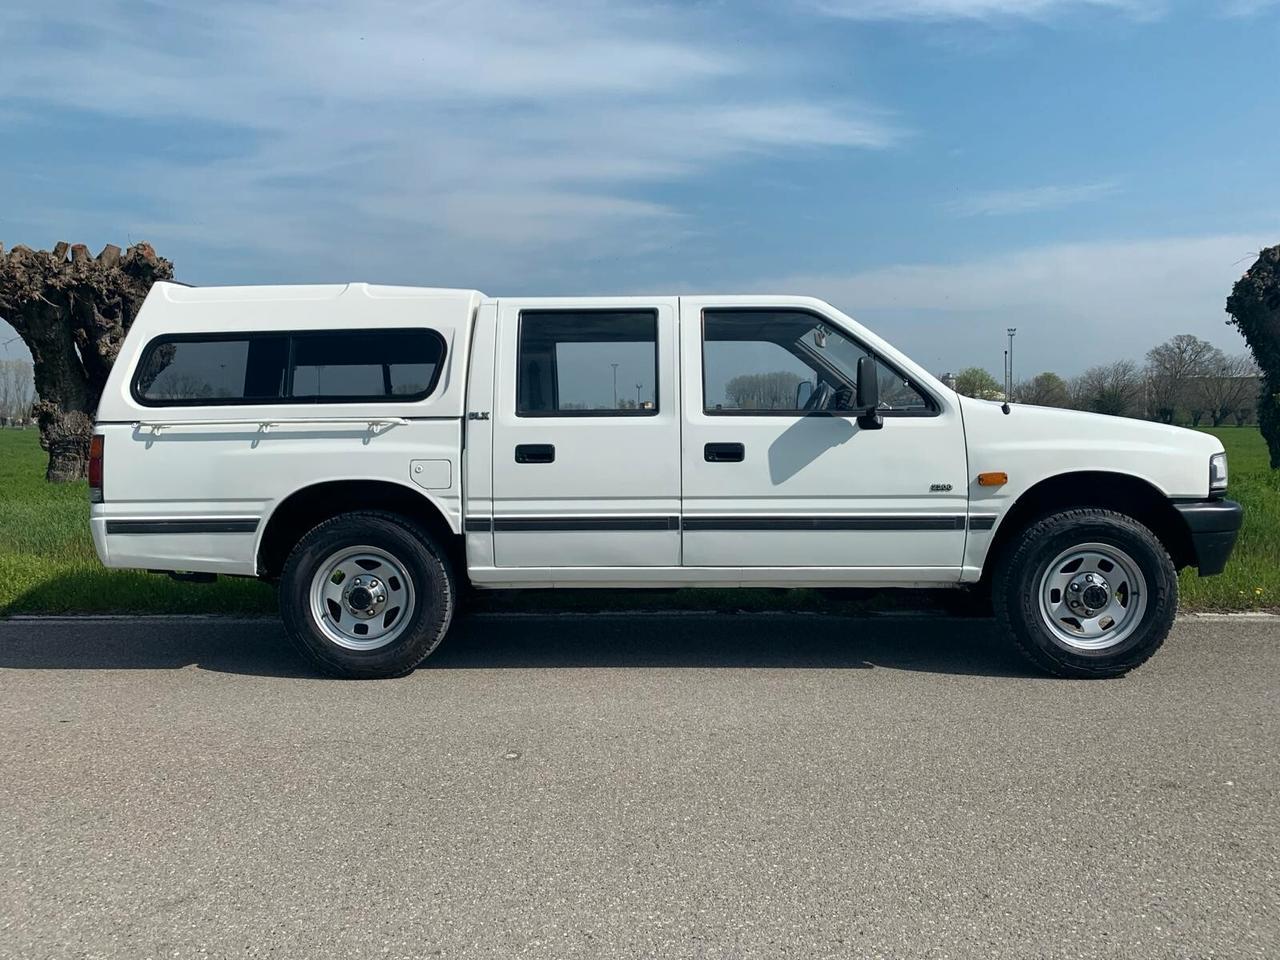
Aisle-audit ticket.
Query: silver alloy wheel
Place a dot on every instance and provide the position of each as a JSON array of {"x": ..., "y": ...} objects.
[
  {"x": 1092, "y": 597},
  {"x": 361, "y": 598}
]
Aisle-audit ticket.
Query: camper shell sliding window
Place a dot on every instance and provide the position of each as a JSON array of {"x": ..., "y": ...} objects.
[{"x": 330, "y": 366}]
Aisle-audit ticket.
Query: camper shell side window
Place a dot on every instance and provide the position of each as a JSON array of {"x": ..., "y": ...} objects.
[{"x": 323, "y": 366}]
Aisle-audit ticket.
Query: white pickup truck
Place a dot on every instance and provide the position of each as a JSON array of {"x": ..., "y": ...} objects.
[{"x": 372, "y": 448}]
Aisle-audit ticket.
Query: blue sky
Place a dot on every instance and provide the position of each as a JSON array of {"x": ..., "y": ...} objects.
[{"x": 1094, "y": 172}]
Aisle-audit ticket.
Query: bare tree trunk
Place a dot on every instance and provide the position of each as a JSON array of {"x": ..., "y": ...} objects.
[
  {"x": 63, "y": 412},
  {"x": 72, "y": 313}
]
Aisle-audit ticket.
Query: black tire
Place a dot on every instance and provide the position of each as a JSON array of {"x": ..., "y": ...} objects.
[
  {"x": 1019, "y": 573},
  {"x": 425, "y": 565}
]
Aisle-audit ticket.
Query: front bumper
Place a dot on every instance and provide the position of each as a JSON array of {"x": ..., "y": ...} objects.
[{"x": 1214, "y": 526}]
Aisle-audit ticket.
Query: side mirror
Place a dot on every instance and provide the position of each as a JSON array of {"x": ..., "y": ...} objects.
[
  {"x": 804, "y": 390},
  {"x": 868, "y": 394}
]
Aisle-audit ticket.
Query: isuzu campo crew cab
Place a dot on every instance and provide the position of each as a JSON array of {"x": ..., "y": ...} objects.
[{"x": 373, "y": 448}]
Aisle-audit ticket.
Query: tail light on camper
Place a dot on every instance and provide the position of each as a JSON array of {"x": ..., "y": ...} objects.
[{"x": 95, "y": 468}]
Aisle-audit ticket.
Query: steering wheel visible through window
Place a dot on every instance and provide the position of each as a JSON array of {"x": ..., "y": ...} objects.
[{"x": 820, "y": 399}]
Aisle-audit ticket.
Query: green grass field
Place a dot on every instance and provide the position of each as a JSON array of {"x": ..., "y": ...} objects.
[
  {"x": 1252, "y": 579},
  {"x": 47, "y": 563}
]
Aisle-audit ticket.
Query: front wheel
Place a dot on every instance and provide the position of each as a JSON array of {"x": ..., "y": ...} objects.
[
  {"x": 366, "y": 595},
  {"x": 1086, "y": 593}
]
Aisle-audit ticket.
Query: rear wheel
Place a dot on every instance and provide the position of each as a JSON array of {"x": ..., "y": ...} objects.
[
  {"x": 366, "y": 595},
  {"x": 1086, "y": 593}
]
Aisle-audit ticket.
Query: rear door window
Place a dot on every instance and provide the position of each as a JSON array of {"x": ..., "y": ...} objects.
[{"x": 587, "y": 363}]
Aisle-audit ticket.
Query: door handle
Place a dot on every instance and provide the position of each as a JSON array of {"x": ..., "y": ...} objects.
[
  {"x": 535, "y": 453},
  {"x": 724, "y": 452}
]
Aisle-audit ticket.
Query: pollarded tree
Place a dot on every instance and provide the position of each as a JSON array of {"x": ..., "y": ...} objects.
[
  {"x": 72, "y": 309},
  {"x": 1254, "y": 306}
]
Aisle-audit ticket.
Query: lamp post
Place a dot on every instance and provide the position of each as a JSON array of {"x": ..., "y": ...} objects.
[
  {"x": 615, "y": 385},
  {"x": 1008, "y": 394}
]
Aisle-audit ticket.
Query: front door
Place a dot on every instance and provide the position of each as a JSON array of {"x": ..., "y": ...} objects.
[
  {"x": 779, "y": 473},
  {"x": 586, "y": 435}
]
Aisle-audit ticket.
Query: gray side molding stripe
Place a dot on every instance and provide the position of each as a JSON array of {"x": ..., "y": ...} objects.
[
  {"x": 824, "y": 523},
  {"x": 211, "y": 525},
  {"x": 890, "y": 523}
]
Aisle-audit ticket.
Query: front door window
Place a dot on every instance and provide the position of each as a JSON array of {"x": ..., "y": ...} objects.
[{"x": 789, "y": 362}]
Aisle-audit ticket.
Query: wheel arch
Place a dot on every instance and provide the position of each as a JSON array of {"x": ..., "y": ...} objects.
[
  {"x": 1121, "y": 492},
  {"x": 308, "y": 506}
]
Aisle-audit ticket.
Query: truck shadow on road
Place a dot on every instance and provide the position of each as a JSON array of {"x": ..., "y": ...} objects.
[{"x": 533, "y": 642}]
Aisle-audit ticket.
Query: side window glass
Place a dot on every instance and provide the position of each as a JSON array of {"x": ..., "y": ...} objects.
[
  {"x": 255, "y": 368},
  {"x": 788, "y": 362},
  {"x": 897, "y": 392},
  {"x": 587, "y": 363},
  {"x": 754, "y": 375},
  {"x": 378, "y": 365},
  {"x": 213, "y": 371}
]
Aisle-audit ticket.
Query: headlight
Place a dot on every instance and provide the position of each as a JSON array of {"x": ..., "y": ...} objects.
[{"x": 1218, "y": 473}]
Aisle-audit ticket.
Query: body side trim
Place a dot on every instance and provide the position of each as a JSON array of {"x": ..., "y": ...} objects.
[
  {"x": 702, "y": 524},
  {"x": 187, "y": 525},
  {"x": 826, "y": 523}
]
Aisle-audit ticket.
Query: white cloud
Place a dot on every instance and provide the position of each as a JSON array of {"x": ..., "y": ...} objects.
[
  {"x": 1074, "y": 304},
  {"x": 996, "y": 11},
  {"x": 996, "y": 203},
  {"x": 1247, "y": 8},
  {"x": 358, "y": 133},
  {"x": 941, "y": 10}
]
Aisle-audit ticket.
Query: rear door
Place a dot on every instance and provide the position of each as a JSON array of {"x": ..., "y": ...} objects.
[
  {"x": 769, "y": 484},
  {"x": 586, "y": 434}
]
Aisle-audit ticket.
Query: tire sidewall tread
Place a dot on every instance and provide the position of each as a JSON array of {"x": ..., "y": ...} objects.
[
  {"x": 1016, "y": 590},
  {"x": 434, "y": 588}
]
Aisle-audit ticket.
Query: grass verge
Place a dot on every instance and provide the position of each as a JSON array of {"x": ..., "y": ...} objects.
[
  {"x": 1252, "y": 578},
  {"x": 47, "y": 563}
]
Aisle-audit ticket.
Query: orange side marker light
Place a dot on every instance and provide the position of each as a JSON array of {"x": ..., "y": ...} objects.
[{"x": 997, "y": 478}]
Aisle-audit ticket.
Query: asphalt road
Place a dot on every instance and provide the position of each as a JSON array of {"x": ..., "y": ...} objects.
[{"x": 702, "y": 786}]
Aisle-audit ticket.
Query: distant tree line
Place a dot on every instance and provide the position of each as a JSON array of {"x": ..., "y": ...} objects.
[
  {"x": 762, "y": 391},
  {"x": 17, "y": 393},
  {"x": 1184, "y": 380}
]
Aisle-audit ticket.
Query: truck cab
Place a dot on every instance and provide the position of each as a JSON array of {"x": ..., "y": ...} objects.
[{"x": 373, "y": 448}]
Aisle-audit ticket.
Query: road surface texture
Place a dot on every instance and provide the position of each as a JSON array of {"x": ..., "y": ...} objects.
[{"x": 675, "y": 786}]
